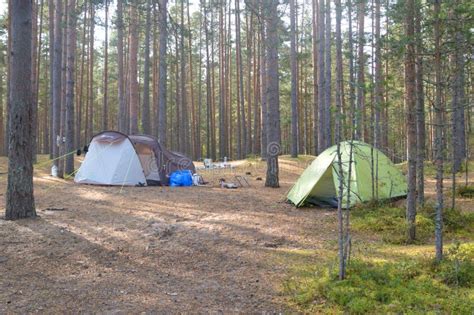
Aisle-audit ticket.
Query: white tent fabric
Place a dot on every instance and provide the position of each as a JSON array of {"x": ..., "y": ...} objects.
[{"x": 111, "y": 163}]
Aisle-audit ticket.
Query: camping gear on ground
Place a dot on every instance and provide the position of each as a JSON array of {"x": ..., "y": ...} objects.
[
  {"x": 114, "y": 158},
  {"x": 181, "y": 179},
  {"x": 319, "y": 183},
  {"x": 242, "y": 180},
  {"x": 198, "y": 180},
  {"x": 224, "y": 184}
]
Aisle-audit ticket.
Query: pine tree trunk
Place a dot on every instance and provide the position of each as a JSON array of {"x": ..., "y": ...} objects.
[
  {"x": 34, "y": 76},
  {"x": 263, "y": 87},
  {"x": 133, "y": 69},
  {"x": 420, "y": 111},
  {"x": 315, "y": 41},
  {"x": 360, "y": 114},
  {"x": 438, "y": 138},
  {"x": 339, "y": 83},
  {"x": 327, "y": 90},
  {"x": 294, "y": 87},
  {"x": 240, "y": 76},
  {"x": 410, "y": 101},
  {"x": 378, "y": 78},
  {"x": 70, "y": 79},
  {"x": 57, "y": 79},
  {"x": 122, "y": 110},
  {"x": 20, "y": 201},
  {"x": 90, "y": 98},
  {"x": 105, "y": 104},
  {"x": 162, "y": 70},
  {"x": 272, "y": 93},
  {"x": 145, "y": 114},
  {"x": 321, "y": 78},
  {"x": 52, "y": 28},
  {"x": 222, "y": 89},
  {"x": 80, "y": 102}
]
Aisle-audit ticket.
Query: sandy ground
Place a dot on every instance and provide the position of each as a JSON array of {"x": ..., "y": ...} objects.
[
  {"x": 156, "y": 250},
  {"x": 152, "y": 249}
]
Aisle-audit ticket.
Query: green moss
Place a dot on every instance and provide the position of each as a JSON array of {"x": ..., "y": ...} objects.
[
  {"x": 414, "y": 285},
  {"x": 390, "y": 225}
]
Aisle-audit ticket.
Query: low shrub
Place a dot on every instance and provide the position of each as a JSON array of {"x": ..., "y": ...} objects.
[
  {"x": 406, "y": 286},
  {"x": 390, "y": 224}
]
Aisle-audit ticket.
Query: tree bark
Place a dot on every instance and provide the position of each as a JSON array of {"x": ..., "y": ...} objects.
[
  {"x": 122, "y": 111},
  {"x": 105, "y": 104},
  {"x": 145, "y": 114},
  {"x": 410, "y": 101},
  {"x": 162, "y": 70},
  {"x": 20, "y": 201},
  {"x": 438, "y": 139},
  {"x": 70, "y": 79},
  {"x": 360, "y": 113},
  {"x": 57, "y": 80},
  {"x": 327, "y": 90},
  {"x": 321, "y": 79},
  {"x": 420, "y": 110},
  {"x": 133, "y": 68},
  {"x": 272, "y": 93},
  {"x": 294, "y": 87},
  {"x": 315, "y": 42}
]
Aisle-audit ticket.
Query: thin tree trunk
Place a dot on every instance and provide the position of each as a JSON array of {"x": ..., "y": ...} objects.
[
  {"x": 194, "y": 135},
  {"x": 80, "y": 102},
  {"x": 90, "y": 93},
  {"x": 133, "y": 68},
  {"x": 272, "y": 93},
  {"x": 439, "y": 141},
  {"x": 71, "y": 64},
  {"x": 34, "y": 76},
  {"x": 222, "y": 90},
  {"x": 315, "y": 42},
  {"x": 240, "y": 85},
  {"x": 145, "y": 115},
  {"x": 105, "y": 104},
  {"x": 57, "y": 80},
  {"x": 410, "y": 101},
  {"x": 360, "y": 126},
  {"x": 162, "y": 72},
  {"x": 321, "y": 79},
  {"x": 263, "y": 86},
  {"x": 122, "y": 112},
  {"x": 420, "y": 110},
  {"x": 339, "y": 82},
  {"x": 20, "y": 201},
  {"x": 327, "y": 90},
  {"x": 294, "y": 87},
  {"x": 36, "y": 91}
]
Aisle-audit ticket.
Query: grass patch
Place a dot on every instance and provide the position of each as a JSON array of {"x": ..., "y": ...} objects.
[
  {"x": 409, "y": 285},
  {"x": 389, "y": 223}
]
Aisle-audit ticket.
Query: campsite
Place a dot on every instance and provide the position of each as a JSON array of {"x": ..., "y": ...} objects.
[
  {"x": 186, "y": 249},
  {"x": 236, "y": 157}
]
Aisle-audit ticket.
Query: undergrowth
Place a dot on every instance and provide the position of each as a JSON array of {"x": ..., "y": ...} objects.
[
  {"x": 389, "y": 223},
  {"x": 405, "y": 285},
  {"x": 465, "y": 191}
]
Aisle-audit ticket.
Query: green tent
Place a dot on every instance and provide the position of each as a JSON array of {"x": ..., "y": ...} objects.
[{"x": 319, "y": 182}]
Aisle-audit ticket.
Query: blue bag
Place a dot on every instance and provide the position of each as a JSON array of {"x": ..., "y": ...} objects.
[{"x": 181, "y": 178}]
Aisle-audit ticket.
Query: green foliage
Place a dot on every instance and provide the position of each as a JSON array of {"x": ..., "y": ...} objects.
[
  {"x": 390, "y": 224},
  {"x": 415, "y": 285}
]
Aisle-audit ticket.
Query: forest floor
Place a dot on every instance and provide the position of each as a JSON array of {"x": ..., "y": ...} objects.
[{"x": 153, "y": 249}]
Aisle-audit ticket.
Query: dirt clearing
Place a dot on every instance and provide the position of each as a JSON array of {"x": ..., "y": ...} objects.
[{"x": 132, "y": 249}]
